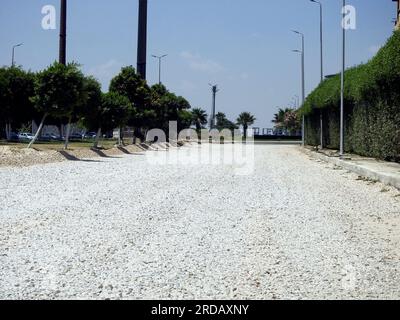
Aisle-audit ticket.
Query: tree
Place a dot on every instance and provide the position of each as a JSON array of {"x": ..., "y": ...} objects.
[
  {"x": 115, "y": 111},
  {"x": 287, "y": 119},
  {"x": 199, "y": 118},
  {"x": 91, "y": 112},
  {"x": 58, "y": 90},
  {"x": 129, "y": 83},
  {"x": 166, "y": 107},
  {"x": 292, "y": 122},
  {"x": 224, "y": 123},
  {"x": 279, "y": 118},
  {"x": 16, "y": 91},
  {"x": 245, "y": 120}
]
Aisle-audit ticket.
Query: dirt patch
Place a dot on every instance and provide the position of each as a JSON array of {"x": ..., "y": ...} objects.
[{"x": 17, "y": 157}]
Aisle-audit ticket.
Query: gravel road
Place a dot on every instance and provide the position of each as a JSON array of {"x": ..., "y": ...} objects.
[{"x": 121, "y": 228}]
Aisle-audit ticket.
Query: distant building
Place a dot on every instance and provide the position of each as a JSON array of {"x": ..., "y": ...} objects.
[{"x": 397, "y": 14}]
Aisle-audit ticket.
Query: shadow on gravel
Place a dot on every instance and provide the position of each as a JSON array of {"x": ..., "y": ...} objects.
[
  {"x": 70, "y": 157},
  {"x": 102, "y": 154},
  {"x": 122, "y": 149}
]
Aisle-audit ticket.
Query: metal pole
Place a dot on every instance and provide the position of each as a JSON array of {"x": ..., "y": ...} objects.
[
  {"x": 213, "y": 111},
  {"x": 303, "y": 87},
  {"x": 159, "y": 65},
  {"x": 63, "y": 33},
  {"x": 142, "y": 39},
  {"x": 159, "y": 70},
  {"x": 214, "y": 90},
  {"x": 13, "y": 53},
  {"x": 322, "y": 72},
  {"x": 342, "y": 83}
]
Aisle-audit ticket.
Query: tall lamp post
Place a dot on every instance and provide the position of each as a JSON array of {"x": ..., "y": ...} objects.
[
  {"x": 213, "y": 111},
  {"x": 322, "y": 65},
  {"x": 303, "y": 90},
  {"x": 63, "y": 33},
  {"x": 142, "y": 39},
  {"x": 159, "y": 65},
  {"x": 341, "y": 153},
  {"x": 13, "y": 53}
]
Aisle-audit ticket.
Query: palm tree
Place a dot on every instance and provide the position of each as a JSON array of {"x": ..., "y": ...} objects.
[
  {"x": 199, "y": 118},
  {"x": 279, "y": 118},
  {"x": 245, "y": 120}
]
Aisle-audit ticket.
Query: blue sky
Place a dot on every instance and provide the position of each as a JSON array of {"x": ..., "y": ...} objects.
[{"x": 243, "y": 45}]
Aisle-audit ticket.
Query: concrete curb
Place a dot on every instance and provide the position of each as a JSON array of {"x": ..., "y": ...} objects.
[{"x": 388, "y": 176}]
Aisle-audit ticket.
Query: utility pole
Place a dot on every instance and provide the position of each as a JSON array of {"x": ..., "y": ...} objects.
[
  {"x": 63, "y": 33},
  {"x": 341, "y": 153},
  {"x": 13, "y": 54},
  {"x": 159, "y": 65},
  {"x": 142, "y": 39},
  {"x": 214, "y": 89},
  {"x": 322, "y": 67},
  {"x": 303, "y": 90}
]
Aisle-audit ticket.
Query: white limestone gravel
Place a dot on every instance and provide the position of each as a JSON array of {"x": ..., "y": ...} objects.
[{"x": 120, "y": 228}]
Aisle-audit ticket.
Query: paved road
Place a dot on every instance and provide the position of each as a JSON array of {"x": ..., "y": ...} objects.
[{"x": 122, "y": 228}]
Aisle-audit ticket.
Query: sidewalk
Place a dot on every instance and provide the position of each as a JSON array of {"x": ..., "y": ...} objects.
[{"x": 385, "y": 172}]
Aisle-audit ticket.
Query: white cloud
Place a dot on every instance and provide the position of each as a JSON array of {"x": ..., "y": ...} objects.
[
  {"x": 196, "y": 62},
  {"x": 106, "y": 71}
]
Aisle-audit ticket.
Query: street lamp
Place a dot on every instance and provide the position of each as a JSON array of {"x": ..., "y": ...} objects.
[
  {"x": 322, "y": 63},
  {"x": 303, "y": 90},
  {"x": 62, "y": 55},
  {"x": 142, "y": 39},
  {"x": 159, "y": 65},
  {"x": 213, "y": 111},
  {"x": 341, "y": 153},
  {"x": 13, "y": 53}
]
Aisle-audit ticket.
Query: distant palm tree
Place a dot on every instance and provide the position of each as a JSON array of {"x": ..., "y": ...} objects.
[
  {"x": 199, "y": 118},
  {"x": 245, "y": 120},
  {"x": 279, "y": 118}
]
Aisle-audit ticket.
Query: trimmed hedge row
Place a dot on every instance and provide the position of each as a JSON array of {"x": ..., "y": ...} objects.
[{"x": 372, "y": 107}]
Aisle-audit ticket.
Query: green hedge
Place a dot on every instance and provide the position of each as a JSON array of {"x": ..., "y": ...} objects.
[{"x": 372, "y": 107}]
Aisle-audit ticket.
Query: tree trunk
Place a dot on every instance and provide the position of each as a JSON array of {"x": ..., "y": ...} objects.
[
  {"x": 68, "y": 134},
  {"x": 8, "y": 131},
  {"x": 245, "y": 132},
  {"x": 120, "y": 137},
  {"x": 38, "y": 132},
  {"x": 96, "y": 140}
]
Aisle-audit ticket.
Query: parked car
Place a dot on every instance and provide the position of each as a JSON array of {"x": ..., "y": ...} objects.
[
  {"x": 89, "y": 135},
  {"x": 75, "y": 137},
  {"x": 50, "y": 137},
  {"x": 25, "y": 136}
]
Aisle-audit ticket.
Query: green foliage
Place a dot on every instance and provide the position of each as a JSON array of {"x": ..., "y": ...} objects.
[
  {"x": 166, "y": 106},
  {"x": 199, "y": 118},
  {"x": 372, "y": 106},
  {"x": 91, "y": 111},
  {"x": 16, "y": 91},
  {"x": 128, "y": 83},
  {"x": 115, "y": 111},
  {"x": 245, "y": 120},
  {"x": 59, "y": 90},
  {"x": 224, "y": 123},
  {"x": 287, "y": 119}
]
